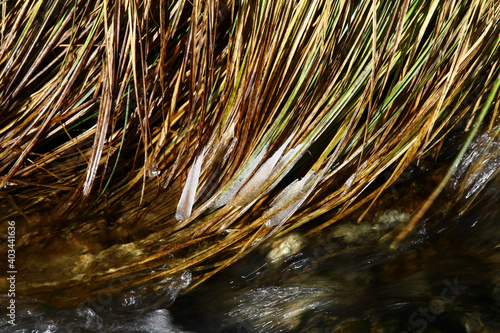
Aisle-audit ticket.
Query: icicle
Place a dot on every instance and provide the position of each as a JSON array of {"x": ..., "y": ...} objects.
[
  {"x": 294, "y": 189},
  {"x": 285, "y": 192},
  {"x": 255, "y": 184},
  {"x": 282, "y": 163},
  {"x": 289, "y": 200},
  {"x": 188, "y": 195},
  {"x": 230, "y": 192}
]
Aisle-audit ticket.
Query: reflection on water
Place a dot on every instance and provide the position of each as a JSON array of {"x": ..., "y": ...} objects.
[
  {"x": 86, "y": 320},
  {"x": 443, "y": 278},
  {"x": 137, "y": 310},
  {"x": 446, "y": 282}
]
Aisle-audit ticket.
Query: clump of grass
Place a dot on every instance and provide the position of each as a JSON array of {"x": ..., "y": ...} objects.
[{"x": 180, "y": 134}]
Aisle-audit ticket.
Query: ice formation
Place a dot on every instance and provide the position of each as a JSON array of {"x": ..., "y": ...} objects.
[
  {"x": 282, "y": 163},
  {"x": 255, "y": 184},
  {"x": 289, "y": 200},
  {"x": 230, "y": 192},
  {"x": 186, "y": 202}
]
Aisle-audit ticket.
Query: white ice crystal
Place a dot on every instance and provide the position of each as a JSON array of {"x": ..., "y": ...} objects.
[
  {"x": 289, "y": 200},
  {"x": 255, "y": 184},
  {"x": 230, "y": 192},
  {"x": 186, "y": 202},
  {"x": 282, "y": 163}
]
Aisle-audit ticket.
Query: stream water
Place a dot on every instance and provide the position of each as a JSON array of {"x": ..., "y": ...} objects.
[{"x": 444, "y": 278}]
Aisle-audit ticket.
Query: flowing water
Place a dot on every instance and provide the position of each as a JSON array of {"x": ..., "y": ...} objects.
[{"x": 444, "y": 278}]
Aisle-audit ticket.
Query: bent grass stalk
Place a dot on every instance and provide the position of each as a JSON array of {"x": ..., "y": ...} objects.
[{"x": 302, "y": 105}]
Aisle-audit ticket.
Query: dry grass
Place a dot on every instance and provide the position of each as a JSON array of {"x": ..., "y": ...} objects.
[{"x": 113, "y": 112}]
